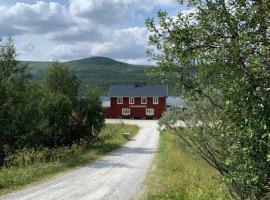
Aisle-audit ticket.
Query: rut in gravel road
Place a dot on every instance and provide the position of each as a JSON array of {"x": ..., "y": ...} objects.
[{"x": 119, "y": 175}]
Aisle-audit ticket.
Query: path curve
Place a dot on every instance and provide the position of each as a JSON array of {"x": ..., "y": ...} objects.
[{"x": 119, "y": 175}]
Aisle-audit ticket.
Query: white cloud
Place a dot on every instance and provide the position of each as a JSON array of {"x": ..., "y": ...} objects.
[
  {"x": 78, "y": 34},
  {"x": 126, "y": 44},
  {"x": 70, "y": 51},
  {"x": 47, "y": 30},
  {"x": 149, "y": 5},
  {"x": 27, "y": 46},
  {"x": 40, "y": 17},
  {"x": 102, "y": 11},
  {"x": 114, "y": 11}
]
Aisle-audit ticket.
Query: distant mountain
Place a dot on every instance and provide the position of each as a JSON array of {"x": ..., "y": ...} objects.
[
  {"x": 98, "y": 60},
  {"x": 96, "y": 72}
]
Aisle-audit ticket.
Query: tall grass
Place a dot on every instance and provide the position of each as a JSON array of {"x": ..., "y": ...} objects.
[
  {"x": 180, "y": 175},
  {"x": 31, "y": 165}
]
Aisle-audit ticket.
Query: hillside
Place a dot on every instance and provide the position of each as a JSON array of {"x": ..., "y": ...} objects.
[{"x": 96, "y": 72}]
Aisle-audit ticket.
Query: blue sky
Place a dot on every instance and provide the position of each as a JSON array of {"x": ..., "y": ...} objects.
[{"x": 73, "y": 29}]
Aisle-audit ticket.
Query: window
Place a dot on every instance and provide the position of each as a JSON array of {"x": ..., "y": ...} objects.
[
  {"x": 155, "y": 100},
  {"x": 150, "y": 112},
  {"x": 119, "y": 100},
  {"x": 131, "y": 100},
  {"x": 125, "y": 111},
  {"x": 143, "y": 100}
]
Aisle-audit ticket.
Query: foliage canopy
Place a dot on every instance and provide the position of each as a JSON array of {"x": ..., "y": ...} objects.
[
  {"x": 60, "y": 79},
  {"x": 220, "y": 52},
  {"x": 34, "y": 116}
]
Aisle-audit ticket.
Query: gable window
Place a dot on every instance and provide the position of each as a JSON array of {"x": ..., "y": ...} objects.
[
  {"x": 150, "y": 112},
  {"x": 119, "y": 100},
  {"x": 143, "y": 100},
  {"x": 131, "y": 100},
  {"x": 125, "y": 111},
  {"x": 155, "y": 100}
]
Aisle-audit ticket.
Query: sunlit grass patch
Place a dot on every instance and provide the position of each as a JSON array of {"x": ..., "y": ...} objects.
[{"x": 180, "y": 175}]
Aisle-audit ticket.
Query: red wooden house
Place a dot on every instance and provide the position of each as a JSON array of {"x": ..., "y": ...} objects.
[{"x": 136, "y": 101}]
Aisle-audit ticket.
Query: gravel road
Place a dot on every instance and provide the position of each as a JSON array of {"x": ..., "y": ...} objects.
[{"x": 119, "y": 175}]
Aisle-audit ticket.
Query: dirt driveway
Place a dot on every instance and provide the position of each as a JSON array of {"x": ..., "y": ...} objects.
[{"x": 119, "y": 175}]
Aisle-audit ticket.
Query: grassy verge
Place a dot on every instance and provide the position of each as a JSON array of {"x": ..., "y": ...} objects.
[
  {"x": 31, "y": 166},
  {"x": 179, "y": 175}
]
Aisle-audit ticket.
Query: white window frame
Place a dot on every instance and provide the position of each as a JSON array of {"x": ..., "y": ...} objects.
[
  {"x": 150, "y": 111},
  {"x": 155, "y": 100},
  {"x": 119, "y": 100},
  {"x": 142, "y": 100},
  {"x": 125, "y": 111},
  {"x": 131, "y": 100}
]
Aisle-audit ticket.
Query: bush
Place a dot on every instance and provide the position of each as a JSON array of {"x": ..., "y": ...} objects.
[
  {"x": 57, "y": 110},
  {"x": 20, "y": 115},
  {"x": 34, "y": 116},
  {"x": 60, "y": 80},
  {"x": 89, "y": 117}
]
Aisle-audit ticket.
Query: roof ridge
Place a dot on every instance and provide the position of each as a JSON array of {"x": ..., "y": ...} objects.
[{"x": 130, "y": 90}]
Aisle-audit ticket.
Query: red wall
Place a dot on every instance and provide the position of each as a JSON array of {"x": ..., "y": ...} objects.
[{"x": 137, "y": 110}]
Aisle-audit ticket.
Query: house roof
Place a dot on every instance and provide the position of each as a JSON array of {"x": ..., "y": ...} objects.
[{"x": 138, "y": 91}]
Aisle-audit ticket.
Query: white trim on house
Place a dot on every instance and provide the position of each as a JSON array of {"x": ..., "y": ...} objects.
[
  {"x": 143, "y": 100},
  {"x": 131, "y": 100},
  {"x": 119, "y": 100},
  {"x": 125, "y": 111},
  {"x": 155, "y": 100},
  {"x": 150, "y": 111}
]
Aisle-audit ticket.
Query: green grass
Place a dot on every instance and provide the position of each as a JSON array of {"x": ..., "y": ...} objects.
[
  {"x": 32, "y": 166},
  {"x": 180, "y": 175}
]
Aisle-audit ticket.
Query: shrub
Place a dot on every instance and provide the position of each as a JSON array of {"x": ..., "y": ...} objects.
[{"x": 57, "y": 110}]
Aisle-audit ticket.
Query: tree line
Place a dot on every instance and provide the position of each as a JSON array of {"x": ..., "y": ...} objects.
[
  {"x": 43, "y": 115},
  {"x": 220, "y": 53}
]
